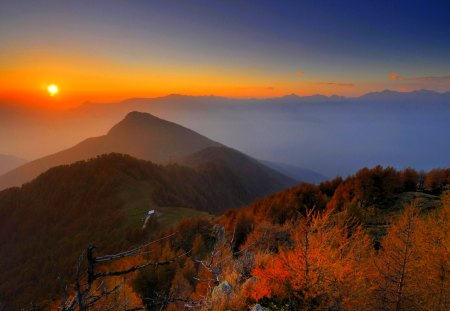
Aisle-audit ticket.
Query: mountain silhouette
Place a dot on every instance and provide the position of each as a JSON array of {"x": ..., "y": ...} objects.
[
  {"x": 147, "y": 137},
  {"x": 104, "y": 201},
  {"x": 140, "y": 135},
  {"x": 8, "y": 163},
  {"x": 256, "y": 178}
]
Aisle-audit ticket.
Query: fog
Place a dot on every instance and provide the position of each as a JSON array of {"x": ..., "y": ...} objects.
[{"x": 330, "y": 135}]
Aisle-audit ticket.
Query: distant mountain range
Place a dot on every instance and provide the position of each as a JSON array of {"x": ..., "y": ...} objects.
[
  {"x": 331, "y": 135},
  {"x": 297, "y": 173},
  {"x": 8, "y": 163},
  {"x": 101, "y": 189}
]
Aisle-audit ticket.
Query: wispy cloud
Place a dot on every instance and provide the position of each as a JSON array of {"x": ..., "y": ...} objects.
[
  {"x": 266, "y": 88},
  {"x": 424, "y": 79},
  {"x": 394, "y": 76},
  {"x": 339, "y": 84},
  {"x": 299, "y": 73}
]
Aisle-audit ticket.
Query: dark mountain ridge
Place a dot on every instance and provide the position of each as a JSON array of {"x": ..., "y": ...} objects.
[
  {"x": 257, "y": 177},
  {"x": 140, "y": 134},
  {"x": 104, "y": 200},
  {"x": 299, "y": 174}
]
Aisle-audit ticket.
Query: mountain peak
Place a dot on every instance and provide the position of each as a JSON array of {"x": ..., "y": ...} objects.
[
  {"x": 138, "y": 116},
  {"x": 139, "y": 121},
  {"x": 290, "y": 96},
  {"x": 141, "y": 135}
]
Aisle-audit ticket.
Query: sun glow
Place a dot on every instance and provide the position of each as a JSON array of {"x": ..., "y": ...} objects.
[{"x": 52, "y": 89}]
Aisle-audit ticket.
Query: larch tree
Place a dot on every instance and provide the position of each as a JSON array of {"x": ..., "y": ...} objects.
[
  {"x": 325, "y": 268},
  {"x": 433, "y": 243},
  {"x": 396, "y": 264}
]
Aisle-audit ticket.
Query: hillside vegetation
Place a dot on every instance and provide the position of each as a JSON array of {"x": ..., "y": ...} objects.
[
  {"x": 352, "y": 227},
  {"x": 378, "y": 240},
  {"x": 47, "y": 223},
  {"x": 147, "y": 137}
]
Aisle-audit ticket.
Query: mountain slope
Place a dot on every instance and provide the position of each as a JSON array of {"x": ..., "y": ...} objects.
[
  {"x": 103, "y": 200},
  {"x": 332, "y": 135},
  {"x": 8, "y": 163},
  {"x": 299, "y": 174},
  {"x": 140, "y": 135},
  {"x": 257, "y": 178}
]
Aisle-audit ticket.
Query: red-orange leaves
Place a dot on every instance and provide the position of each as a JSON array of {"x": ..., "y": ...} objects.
[{"x": 325, "y": 265}]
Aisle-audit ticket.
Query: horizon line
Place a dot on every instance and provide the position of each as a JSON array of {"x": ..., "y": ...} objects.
[{"x": 277, "y": 97}]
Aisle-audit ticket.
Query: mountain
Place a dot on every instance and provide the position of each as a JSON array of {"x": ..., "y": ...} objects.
[
  {"x": 329, "y": 134},
  {"x": 257, "y": 178},
  {"x": 299, "y": 174},
  {"x": 8, "y": 163},
  {"x": 104, "y": 201},
  {"x": 140, "y": 135},
  {"x": 424, "y": 96}
]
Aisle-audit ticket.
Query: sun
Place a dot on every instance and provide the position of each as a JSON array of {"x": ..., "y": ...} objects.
[{"x": 52, "y": 89}]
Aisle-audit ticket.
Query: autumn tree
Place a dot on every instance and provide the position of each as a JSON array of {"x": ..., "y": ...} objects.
[
  {"x": 182, "y": 285},
  {"x": 328, "y": 187},
  {"x": 96, "y": 285},
  {"x": 155, "y": 281},
  {"x": 290, "y": 204},
  {"x": 409, "y": 178},
  {"x": 372, "y": 186},
  {"x": 325, "y": 268},
  {"x": 433, "y": 244},
  {"x": 436, "y": 180},
  {"x": 396, "y": 264}
]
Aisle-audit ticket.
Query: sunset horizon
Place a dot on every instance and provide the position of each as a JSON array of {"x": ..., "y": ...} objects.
[
  {"x": 43, "y": 101},
  {"x": 161, "y": 52},
  {"x": 224, "y": 155}
]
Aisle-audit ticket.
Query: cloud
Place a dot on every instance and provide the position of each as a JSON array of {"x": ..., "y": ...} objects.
[
  {"x": 339, "y": 84},
  {"x": 424, "y": 79},
  {"x": 299, "y": 73},
  {"x": 266, "y": 88},
  {"x": 394, "y": 76}
]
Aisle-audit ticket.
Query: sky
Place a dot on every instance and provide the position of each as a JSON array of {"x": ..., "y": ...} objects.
[{"x": 103, "y": 51}]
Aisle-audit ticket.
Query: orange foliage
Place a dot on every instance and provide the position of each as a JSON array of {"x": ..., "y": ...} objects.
[{"x": 324, "y": 266}]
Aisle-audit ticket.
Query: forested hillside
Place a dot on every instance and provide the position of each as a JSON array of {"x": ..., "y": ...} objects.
[
  {"x": 147, "y": 137},
  {"x": 140, "y": 135},
  {"x": 45, "y": 224},
  {"x": 224, "y": 155},
  {"x": 378, "y": 240},
  {"x": 254, "y": 175}
]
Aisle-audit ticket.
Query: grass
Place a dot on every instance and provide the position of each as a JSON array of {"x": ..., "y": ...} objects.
[
  {"x": 378, "y": 219},
  {"x": 169, "y": 216},
  {"x": 138, "y": 201},
  {"x": 424, "y": 202}
]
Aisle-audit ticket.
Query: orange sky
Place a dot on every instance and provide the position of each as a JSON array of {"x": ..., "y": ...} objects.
[
  {"x": 105, "y": 51},
  {"x": 26, "y": 77}
]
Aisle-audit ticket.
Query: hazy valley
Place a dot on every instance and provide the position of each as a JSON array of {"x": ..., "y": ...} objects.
[
  {"x": 329, "y": 135},
  {"x": 100, "y": 192}
]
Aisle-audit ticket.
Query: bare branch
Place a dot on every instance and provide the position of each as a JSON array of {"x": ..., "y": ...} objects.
[{"x": 133, "y": 251}]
